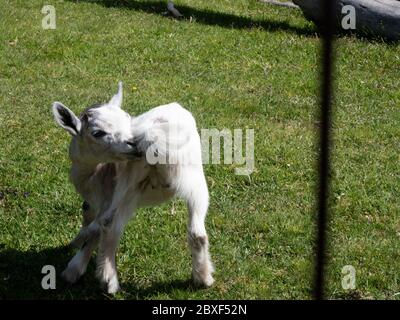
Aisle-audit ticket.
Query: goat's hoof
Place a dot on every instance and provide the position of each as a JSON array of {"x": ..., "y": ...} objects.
[
  {"x": 203, "y": 281},
  {"x": 71, "y": 274},
  {"x": 111, "y": 286}
]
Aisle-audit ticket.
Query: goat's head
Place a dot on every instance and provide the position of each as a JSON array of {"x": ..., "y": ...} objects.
[{"x": 102, "y": 133}]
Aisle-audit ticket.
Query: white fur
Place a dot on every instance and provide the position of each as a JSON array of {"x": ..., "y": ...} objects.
[{"x": 115, "y": 176}]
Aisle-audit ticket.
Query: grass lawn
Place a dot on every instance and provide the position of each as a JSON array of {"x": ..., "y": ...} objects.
[{"x": 234, "y": 64}]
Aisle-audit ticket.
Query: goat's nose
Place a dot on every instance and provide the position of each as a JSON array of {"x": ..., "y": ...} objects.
[
  {"x": 135, "y": 151},
  {"x": 131, "y": 143}
]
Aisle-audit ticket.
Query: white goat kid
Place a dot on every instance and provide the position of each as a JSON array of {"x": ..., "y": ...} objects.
[{"x": 113, "y": 169}]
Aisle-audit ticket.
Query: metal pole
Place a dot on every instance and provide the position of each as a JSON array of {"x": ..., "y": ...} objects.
[{"x": 327, "y": 29}]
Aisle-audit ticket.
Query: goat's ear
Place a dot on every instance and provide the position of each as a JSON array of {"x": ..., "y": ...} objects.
[
  {"x": 116, "y": 101},
  {"x": 66, "y": 118}
]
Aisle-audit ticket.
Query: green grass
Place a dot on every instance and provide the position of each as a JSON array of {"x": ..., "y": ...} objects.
[{"x": 235, "y": 64}]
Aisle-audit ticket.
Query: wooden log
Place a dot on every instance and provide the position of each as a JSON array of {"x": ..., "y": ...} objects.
[{"x": 378, "y": 18}]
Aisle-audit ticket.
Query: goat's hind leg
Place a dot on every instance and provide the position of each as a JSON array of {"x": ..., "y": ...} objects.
[
  {"x": 88, "y": 215},
  {"x": 196, "y": 194}
]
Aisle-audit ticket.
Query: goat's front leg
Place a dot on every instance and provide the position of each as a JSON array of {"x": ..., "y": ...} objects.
[
  {"x": 86, "y": 244},
  {"x": 78, "y": 264},
  {"x": 86, "y": 241}
]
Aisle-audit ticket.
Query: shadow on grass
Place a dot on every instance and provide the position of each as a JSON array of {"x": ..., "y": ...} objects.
[
  {"x": 21, "y": 277},
  {"x": 226, "y": 20},
  {"x": 206, "y": 17}
]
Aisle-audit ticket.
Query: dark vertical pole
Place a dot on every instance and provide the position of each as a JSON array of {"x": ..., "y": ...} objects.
[{"x": 327, "y": 28}]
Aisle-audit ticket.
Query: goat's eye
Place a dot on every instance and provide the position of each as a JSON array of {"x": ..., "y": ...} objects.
[{"x": 98, "y": 133}]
